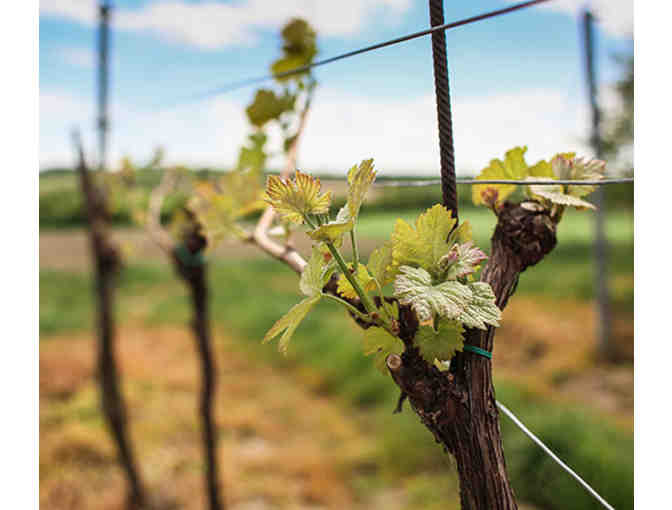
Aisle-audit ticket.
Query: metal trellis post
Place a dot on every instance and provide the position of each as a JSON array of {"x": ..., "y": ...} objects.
[
  {"x": 601, "y": 247},
  {"x": 103, "y": 77}
]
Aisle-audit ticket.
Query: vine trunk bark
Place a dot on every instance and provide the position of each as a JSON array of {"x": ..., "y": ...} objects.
[
  {"x": 107, "y": 263},
  {"x": 458, "y": 406},
  {"x": 190, "y": 266}
]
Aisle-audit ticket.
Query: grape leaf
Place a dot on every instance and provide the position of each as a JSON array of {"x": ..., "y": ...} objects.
[
  {"x": 426, "y": 244},
  {"x": 252, "y": 156},
  {"x": 513, "y": 167},
  {"x": 413, "y": 286},
  {"x": 267, "y": 105},
  {"x": 461, "y": 260},
  {"x": 590, "y": 170},
  {"x": 292, "y": 199},
  {"x": 442, "y": 343},
  {"x": 481, "y": 309},
  {"x": 316, "y": 274},
  {"x": 562, "y": 165},
  {"x": 330, "y": 232},
  {"x": 556, "y": 194},
  {"x": 379, "y": 264},
  {"x": 362, "y": 276},
  {"x": 462, "y": 234},
  {"x": 541, "y": 169},
  {"x": 216, "y": 212},
  {"x": 360, "y": 178},
  {"x": 290, "y": 321},
  {"x": 299, "y": 49},
  {"x": 380, "y": 343}
]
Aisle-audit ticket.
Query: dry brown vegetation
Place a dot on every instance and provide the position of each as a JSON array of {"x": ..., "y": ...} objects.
[{"x": 281, "y": 446}]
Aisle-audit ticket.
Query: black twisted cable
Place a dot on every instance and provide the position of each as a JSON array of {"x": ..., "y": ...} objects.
[{"x": 441, "y": 85}]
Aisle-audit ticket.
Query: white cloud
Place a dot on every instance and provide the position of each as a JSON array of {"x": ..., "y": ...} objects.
[
  {"x": 77, "y": 57},
  {"x": 615, "y": 16},
  {"x": 402, "y": 136},
  {"x": 82, "y": 11},
  {"x": 342, "y": 129},
  {"x": 213, "y": 24}
]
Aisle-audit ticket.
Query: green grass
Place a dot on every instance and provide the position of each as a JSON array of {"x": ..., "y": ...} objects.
[{"x": 248, "y": 296}]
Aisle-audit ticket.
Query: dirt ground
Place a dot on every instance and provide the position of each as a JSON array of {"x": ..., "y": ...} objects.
[
  {"x": 69, "y": 249},
  {"x": 280, "y": 446}
]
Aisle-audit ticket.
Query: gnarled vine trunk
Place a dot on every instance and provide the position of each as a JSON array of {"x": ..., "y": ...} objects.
[
  {"x": 458, "y": 406},
  {"x": 107, "y": 262}
]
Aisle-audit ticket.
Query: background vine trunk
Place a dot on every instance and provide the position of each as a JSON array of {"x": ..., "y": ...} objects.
[
  {"x": 190, "y": 266},
  {"x": 107, "y": 262}
]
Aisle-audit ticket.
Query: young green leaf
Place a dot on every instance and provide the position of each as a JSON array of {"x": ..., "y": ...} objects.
[
  {"x": 580, "y": 170},
  {"x": 461, "y": 260},
  {"x": 380, "y": 262},
  {"x": 413, "y": 286},
  {"x": 360, "y": 178},
  {"x": 316, "y": 274},
  {"x": 513, "y": 167},
  {"x": 380, "y": 343},
  {"x": 331, "y": 232},
  {"x": 267, "y": 105},
  {"x": 542, "y": 169},
  {"x": 299, "y": 49},
  {"x": 290, "y": 321},
  {"x": 426, "y": 244},
  {"x": 462, "y": 234},
  {"x": 556, "y": 194},
  {"x": 252, "y": 156},
  {"x": 294, "y": 199},
  {"x": 481, "y": 310},
  {"x": 362, "y": 276},
  {"x": 439, "y": 344}
]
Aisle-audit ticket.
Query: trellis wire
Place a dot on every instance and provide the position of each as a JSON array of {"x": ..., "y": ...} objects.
[
  {"x": 552, "y": 455},
  {"x": 230, "y": 87},
  {"x": 436, "y": 182}
]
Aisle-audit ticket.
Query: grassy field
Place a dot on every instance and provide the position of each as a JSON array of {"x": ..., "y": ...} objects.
[{"x": 544, "y": 366}]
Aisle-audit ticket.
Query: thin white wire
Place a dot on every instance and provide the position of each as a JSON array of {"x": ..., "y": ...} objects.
[{"x": 564, "y": 466}]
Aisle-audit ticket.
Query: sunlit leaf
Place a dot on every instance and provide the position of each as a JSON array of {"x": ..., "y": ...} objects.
[
  {"x": 380, "y": 262},
  {"x": 316, "y": 274},
  {"x": 462, "y": 234},
  {"x": 426, "y": 244},
  {"x": 330, "y": 232},
  {"x": 361, "y": 276},
  {"x": 360, "y": 178},
  {"x": 513, "y": 167},
  {"x": 298, "y": 197},
  {"x": 541, "y": 169},
  {"x": 288, "y": 323}
]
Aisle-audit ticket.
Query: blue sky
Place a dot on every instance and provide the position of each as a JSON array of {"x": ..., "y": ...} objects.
[{"x": 515, "y": 80}]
